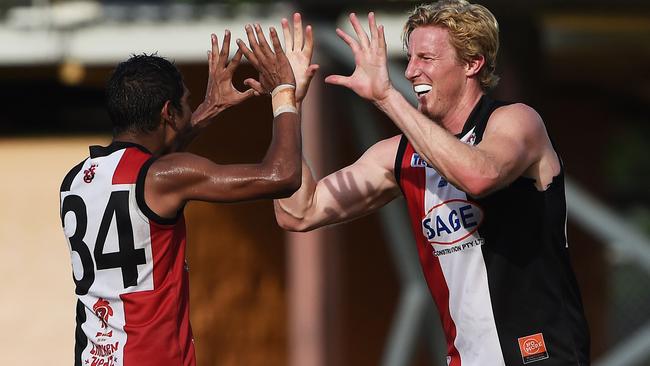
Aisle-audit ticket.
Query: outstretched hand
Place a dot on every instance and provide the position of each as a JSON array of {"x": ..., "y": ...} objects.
[
  {"x": 370, "y": 77},
  {"x": 220, "y": 93},
  {"x": 273, "y": 65},
  {"x": 299, "y": 50}
]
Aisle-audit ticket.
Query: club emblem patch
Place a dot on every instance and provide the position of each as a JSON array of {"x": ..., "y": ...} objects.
[{"x": 89, "y": 174}]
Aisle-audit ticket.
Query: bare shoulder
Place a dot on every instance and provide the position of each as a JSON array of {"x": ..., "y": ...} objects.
[
  {"x": 177, "y": 163},
  {"x": 170, "y": 171},
  {"x": 383, "y": 153},
  {"x": 516, "y": 119}
]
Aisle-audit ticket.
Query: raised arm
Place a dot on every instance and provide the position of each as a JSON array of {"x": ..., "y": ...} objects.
[
  {"x": 351, "y": 192},
  {"x": 299, "y": 43},
  {"x": 515, "y": 142},
  {"x": 176, "y": 178},
  {"x": 220, "y": 93}
]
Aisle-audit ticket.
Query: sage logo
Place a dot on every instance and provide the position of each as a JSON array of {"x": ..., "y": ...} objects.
[{"x": 451, "y": 221}]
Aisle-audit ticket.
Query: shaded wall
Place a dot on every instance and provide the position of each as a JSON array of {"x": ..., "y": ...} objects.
[
  {"x": 37, "y": 305},
  {"x": 236, "y": 251}
]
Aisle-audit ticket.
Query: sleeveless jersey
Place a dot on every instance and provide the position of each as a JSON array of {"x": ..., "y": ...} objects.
[
  {"x": 497, "y": 266},
  {"x": 128, "y": 264}
]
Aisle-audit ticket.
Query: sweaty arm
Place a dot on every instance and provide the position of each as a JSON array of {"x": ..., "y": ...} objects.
[
  {"x": 351, "y": 192},
  {"x": 176, "y": 178},
  {"x": 514, "y": 143},
  {"x": 179, "y": 177}
]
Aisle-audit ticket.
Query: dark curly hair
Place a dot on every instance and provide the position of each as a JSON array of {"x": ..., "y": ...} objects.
[{"x": 138, "y": 89}]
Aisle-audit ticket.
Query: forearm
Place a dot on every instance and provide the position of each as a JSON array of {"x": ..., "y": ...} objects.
[
  {"x": 461, "y": 164},
  {"x": 282, "y": 162},
  {"x": 292, "y": 213},
  {"x": 351, "y": 192}
]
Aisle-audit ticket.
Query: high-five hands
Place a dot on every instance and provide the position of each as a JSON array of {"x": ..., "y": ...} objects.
[
  {"x": 370, "y": 78},
  {"x": 220, "y": 92},
  {"x": 273, "y": 65},
  {"x": 299, "y": 50},
  {"x": 275, "y": 70}
]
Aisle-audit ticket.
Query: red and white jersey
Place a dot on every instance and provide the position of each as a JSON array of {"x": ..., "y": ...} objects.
[
  {"x": 497, "y": 266},
  {"x": 128, "y": 264}
]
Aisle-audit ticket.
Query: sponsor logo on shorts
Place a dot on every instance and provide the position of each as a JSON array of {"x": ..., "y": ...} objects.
[{"x": 532, "y": 348}]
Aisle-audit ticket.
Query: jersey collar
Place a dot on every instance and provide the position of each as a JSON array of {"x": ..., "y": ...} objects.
[
  {"x": 97, "y": 151},
  {"x": 472, "y": 120}
]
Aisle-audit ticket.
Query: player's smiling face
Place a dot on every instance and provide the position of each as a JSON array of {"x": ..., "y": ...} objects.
[{"x": 435, "y": 72}]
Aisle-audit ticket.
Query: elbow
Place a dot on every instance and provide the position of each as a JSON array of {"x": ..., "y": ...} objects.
[
  {"x": 290, "y": 223},
  {"x": 293, "y": 226},
  {"x": 292, "y": 184},
  {"x": 478, "y": 189},
  {"x": 479, "y": 186},
  {"x": 288, "y": 179}
]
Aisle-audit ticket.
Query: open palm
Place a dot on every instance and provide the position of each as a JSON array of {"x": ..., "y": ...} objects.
[
  {"x": 220, "y": 93},
  {"x": 370, "y": 78},
  {"x": 299, "y": 46}
]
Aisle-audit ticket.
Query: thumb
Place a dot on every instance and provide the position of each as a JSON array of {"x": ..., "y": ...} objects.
[
  {"x": 247, "y": 94},
  {"x": 337, "y": 80},
  {"x": 255, "y": 86},
  {"x": 311, "y": 70}
]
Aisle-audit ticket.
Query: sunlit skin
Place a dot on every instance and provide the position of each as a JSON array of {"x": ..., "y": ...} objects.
[
  {"x": 514, "y": 143},
  {"x": 434, "y": 62},
  {"x": 178, "y": 177},
  {"x": 300, "y": 47}
]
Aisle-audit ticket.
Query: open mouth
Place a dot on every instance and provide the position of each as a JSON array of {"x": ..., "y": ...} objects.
[{"x": 421, "y": 89}]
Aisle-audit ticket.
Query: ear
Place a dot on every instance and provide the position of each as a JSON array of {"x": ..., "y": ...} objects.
[
  {"x": 473, "y": 67},
  {"x": 168, "y": 115}
]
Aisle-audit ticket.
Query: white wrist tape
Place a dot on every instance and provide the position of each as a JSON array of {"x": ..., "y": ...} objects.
[
  {"x": 282, "y": 87},
  {"x": 284, "y": 109},
  {"x": 283, "y": 99}
]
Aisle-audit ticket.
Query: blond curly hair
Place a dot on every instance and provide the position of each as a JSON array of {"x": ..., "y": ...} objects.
[{"x": 473, "y": 31}]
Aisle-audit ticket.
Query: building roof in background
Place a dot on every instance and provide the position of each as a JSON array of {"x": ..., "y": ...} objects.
[{"x": 96, "y": 33}]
